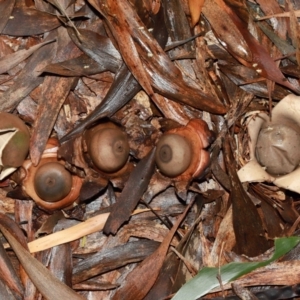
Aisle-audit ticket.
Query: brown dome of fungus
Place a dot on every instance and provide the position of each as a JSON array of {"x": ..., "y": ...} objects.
[
  {"x": 181, "y": 152},
  {"x": 108, "y": 148},
  {"x": 173, "y": 155},
  {"x": 277, "y": 149},
  {"x": 52, "y": 182}
]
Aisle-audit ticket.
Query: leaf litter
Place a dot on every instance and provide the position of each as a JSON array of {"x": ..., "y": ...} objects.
[{"x": 150, "y": 67}]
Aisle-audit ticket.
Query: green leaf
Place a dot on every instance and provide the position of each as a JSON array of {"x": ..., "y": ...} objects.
[{"x": 206, "y": 279}]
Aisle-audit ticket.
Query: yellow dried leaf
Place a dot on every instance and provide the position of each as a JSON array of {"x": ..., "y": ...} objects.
[{"x": 195, "y": 10}]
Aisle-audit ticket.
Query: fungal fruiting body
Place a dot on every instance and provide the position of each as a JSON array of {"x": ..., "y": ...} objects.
[
  {"x": 49, "y": 184},
  {"x": 173, "y": 154},
  {"x": 107, "y": 148},
  {"x": 14, "y": 143},
  {"x": 277, "y": 149},
  {"x": 181, "y": 152},
  {"x": 274, "y": 146},
  {"x": 52, "y": 182}
]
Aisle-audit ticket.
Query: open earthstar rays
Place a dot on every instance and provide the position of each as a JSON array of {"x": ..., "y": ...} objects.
[{"x": 273, "y": 146}]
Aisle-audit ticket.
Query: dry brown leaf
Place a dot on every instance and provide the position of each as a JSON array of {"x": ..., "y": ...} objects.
[
  {"x": 53, "y": 94},
  {"x": 162, "y": 74},
  {"x": 122, "y": 31},
  {"x": 29, "y": 18},
  {"x": 255, "y": 55},
  {"x": 195, "y": 10},
  {"x": 29, "y": 78},
  {"x": 6, "y": 8},
  {"x": 294, "y": 31},
  {"x": 50, "y": 287},
  {"x": 133, "y": 191},
  {"x": 141, "y": 279},
  {"x": 9, "y": 61}
]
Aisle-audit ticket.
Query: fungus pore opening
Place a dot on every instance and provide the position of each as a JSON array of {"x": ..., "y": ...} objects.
[
  {"x": 52, "y": 182},
  {"x": 173, "y": 154},
  {"x": 109, "y": 149}
]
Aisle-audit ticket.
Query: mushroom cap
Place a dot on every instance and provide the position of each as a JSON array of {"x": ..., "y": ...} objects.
[
  {"x": 108, "y": 148},
  {"x": 173, "y": 154},
  {"x": 52, "y": 182},
  {"x": 277, "y": 149},
  {"x": 14, "y": 149}
]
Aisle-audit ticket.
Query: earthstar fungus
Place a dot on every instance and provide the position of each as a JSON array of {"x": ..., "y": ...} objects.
[
  {"x": 106, "y": 147},
  {"x": 181, "y": 152},
  {"x": 49, "y": 184},
  {"x": 173, "y": 154},
  {"x": 52, "y": 182},
  {"x": 277, "y": 149},
  {"x": 14, "y": 143},
  {"x": 274, "y": 146}
]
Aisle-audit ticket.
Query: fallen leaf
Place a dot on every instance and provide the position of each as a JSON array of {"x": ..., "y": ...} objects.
[
  {"x": 133, "y": 191},
  {"x": 6, "y": 8},
  {"x": 49, "y": 286},
  {"x": 29, "y": 18},
  {"x": 195, "y": 9},
  {"x": 9, "y": 61},
  {"x": 141, "y": 279}
]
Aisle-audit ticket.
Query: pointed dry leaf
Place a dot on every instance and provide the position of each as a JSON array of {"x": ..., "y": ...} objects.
[
  {"x": 78, "y": 66},
  {"x": 98, "y": 47},
  {"x": 8, "y": 274},
  {"x": 141, "y": 279},
  {"x": 29, "y": 18},
  {"x": 133, "y": 191},
  {"x": 6, "y": 8},
  {"x": 49, "y": 286},
  {"x": 195, "y": 10},
  {"x": 9, "y": 61},
  {"x": 29, "y": 78},
  {"x": 247, "y": 223},
  {"x": 164, "y": 76},
  {"x": 122, "y": 30},
  {"x": 226, "y": 30},
  {"x": 54, "y": 92},
  {"x": 255, "y": 55}
]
